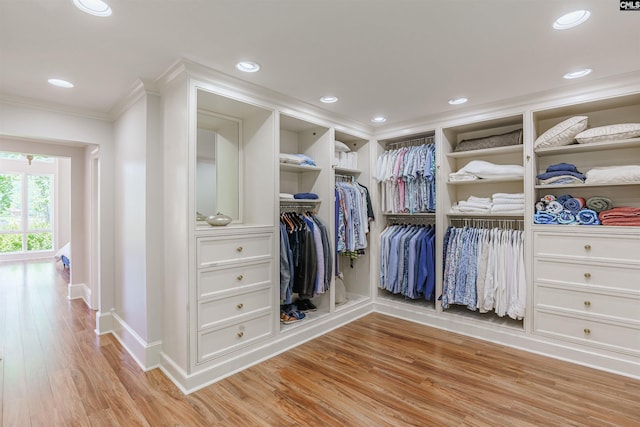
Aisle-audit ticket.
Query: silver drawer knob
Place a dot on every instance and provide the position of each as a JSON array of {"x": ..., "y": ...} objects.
[
  {"x": 587, "y": 247},
  {"x": 242, "y": 305},
  {"x": 587, "y": 331},
  {"x": 240, "y": 277},
  {"x": 587, "y": 303},
  {"x": 587, "y": 275},
  {"x": 239, "y": 249},
  {"x": 240, "y": 334}
]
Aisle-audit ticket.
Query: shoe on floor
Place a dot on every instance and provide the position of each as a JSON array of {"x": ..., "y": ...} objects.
[
  {"x": 305, "y": 305},
  {"x": 286, "y": 319}
]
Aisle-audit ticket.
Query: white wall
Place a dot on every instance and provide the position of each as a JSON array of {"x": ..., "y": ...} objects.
[
  {"x": 63, "y": 202},
  {"x": 130, "y": 262},
  {"x": 58, "y": 132}
]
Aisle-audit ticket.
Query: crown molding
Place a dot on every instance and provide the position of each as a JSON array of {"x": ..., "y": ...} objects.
[
  {"x": 244, "y": 91},
  {"x": 606, "y": 87},
  {"x": 139, "y": 89},
  {"x": 52, "y": 107}
]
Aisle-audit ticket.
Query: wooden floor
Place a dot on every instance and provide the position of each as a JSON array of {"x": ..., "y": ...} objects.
[{"x": 377, "y": 371}]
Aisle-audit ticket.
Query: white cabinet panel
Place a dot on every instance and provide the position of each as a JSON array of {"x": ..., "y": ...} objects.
[
  {"x": 213, "y": 251},
  {"x": 588, "y": 247},
  {"x": 590, "y": 274},
  {"x": 214, "y": 342},
  {"x": 223, "y": 309},
  {"x": 219, "y": 279}
]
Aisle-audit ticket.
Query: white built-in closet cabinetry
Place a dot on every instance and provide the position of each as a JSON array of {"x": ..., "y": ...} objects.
[
  {"x": 586, "y": 286},
  {"x": 221, "y": 292}
]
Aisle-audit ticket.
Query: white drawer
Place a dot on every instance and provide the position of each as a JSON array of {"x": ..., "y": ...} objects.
[
  {"x": 587, "y": 247},
  {"x": 223, "y": 309},
  {"x": 590, "y": 332},
  {"x": 213, "y": 342},
  {"x": 626, "y": 278},
  {"x": 213, "y": 251},
  {"x": 218, "y": 279},
  {"x": 589, "y": 303}
]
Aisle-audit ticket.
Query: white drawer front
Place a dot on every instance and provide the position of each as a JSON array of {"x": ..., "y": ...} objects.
[
  {"x": 588, "y": 247},
  {"x": 217, "y": 310},
  {"x": 214, "y": 280},
  {"x": 213, "y": 251},
  {"x": 627, "y": 278},
  {"x": 612, "y": 337},
  {"x": 212, "y": 343},
  {"x": 622, "y": 308}
]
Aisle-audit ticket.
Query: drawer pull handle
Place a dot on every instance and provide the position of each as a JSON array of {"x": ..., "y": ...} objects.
[
  {"x": 240, "y": 277},
  {"x": 242, "y": 305},
  {"x": 587, "y": 303},
  {"x": 239, "y": 248},
  {"x": 587, "y": 331},
  {"x": 587, "y": 275},
  {"x": 587, "y": 247},
  {"x": 240, "y": 334}
]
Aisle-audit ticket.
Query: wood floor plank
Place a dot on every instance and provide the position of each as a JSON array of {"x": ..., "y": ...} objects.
[{"x": 377, "y": 371}]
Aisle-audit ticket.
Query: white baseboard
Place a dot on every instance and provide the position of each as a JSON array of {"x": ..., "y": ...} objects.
[
  {"x": 104, "y": 323},
  {"x": 146, "y": 355},
  {"x": 77, "y": 290},
  {"x": 212, "y": 372}
]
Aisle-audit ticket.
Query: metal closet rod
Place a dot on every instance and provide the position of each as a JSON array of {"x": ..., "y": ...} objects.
[
  {"x": 411, "y": 142},
  {"x": 516, "y": 224},
  {"x": 410, "y": 220},
  {"x": 344, "y": 178}
]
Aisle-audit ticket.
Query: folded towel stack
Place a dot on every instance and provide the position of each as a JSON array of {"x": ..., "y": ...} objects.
[
  {"x": 564, "y": 210},
  {"x": 507, "y": 203},
  {"x": 621, "y": 216},
  {"x": 305, "y": 196},
  {"x": 472, "y": 204},
  {"x": 561, "y": 173},
  {"x": 613, "y": 174}
]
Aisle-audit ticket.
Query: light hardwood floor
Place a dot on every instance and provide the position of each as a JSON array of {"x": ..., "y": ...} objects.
[{"x": 377, "y": 371}]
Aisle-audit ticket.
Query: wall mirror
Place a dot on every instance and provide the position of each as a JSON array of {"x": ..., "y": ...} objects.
[{"x": 217, "y": 165}]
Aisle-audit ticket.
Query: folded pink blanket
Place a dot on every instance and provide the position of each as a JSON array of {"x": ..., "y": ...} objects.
[{"x": 620, "y": 213}]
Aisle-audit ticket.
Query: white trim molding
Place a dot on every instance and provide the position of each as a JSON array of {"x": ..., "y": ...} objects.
[{"x": 146, "y": 355}]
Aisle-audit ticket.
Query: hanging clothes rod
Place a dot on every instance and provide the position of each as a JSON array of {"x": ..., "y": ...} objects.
[
  {"x": 514, "y": 224},
  {"x": 344, "y": 178},
  {"x": 299, "y": 207},
  {"x": 417, "y": 219},
  {"x": 411, "y": 142}
]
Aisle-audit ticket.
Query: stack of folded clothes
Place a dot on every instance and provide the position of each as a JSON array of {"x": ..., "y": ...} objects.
[
  {"x": 621, "y": 216},
  {"x": 473, "y": 205},
  {"x": 507, "y": 203},
  {"x": 564, "y": 210},
  {"x": 297, "y": 159},
  {"x": 561, "y": 173}
]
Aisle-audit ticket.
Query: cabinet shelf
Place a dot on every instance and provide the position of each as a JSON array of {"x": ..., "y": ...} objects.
[
  {"x": 484, "y": 215},
  {"x": 486, "y": 151},
  {"x": 346, "y": 171},
  {"x": 616, "y": 184},
  {"x": 290, "y": 167},
  {"x": 488, "y": 180},
  {"x": 590, "y": 147},
  {"x": 407, "y": 214}
]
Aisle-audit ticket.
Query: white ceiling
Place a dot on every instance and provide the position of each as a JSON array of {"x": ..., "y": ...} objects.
[{"x": 397, "y": 58}]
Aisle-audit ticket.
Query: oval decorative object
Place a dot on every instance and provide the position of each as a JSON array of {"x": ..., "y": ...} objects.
[{"x": 218, "y": 220}]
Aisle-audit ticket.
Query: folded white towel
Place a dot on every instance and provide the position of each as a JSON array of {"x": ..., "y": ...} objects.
[
  {"x": 507, "y": 208},
  {"x": 286, "y": 196},
  {"x": 483, "y": 169},
  {"x": 613, "y": 174},
  {"x": 508, "y": 201},
  {"x": 461, "y": 176},
  {"x": 483, "y": 200},
  {"x": 508, "y": 196}
]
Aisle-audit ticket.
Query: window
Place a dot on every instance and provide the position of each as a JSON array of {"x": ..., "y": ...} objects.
[{"x": 26, "y": 212}]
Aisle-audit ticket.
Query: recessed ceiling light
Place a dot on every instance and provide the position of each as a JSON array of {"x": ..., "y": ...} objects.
[
  {"x": 457, "y": 101},
  {"x": 379, "y": 119},
  {"x": 93, "y": 7},
  {"x": 329, "y": 99},
  {"x": 61, "y": 83},
  {"x": 572, "y": 19},
  {"x": 247, "y": 66},
  {"x": 577, "y": 74}
]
